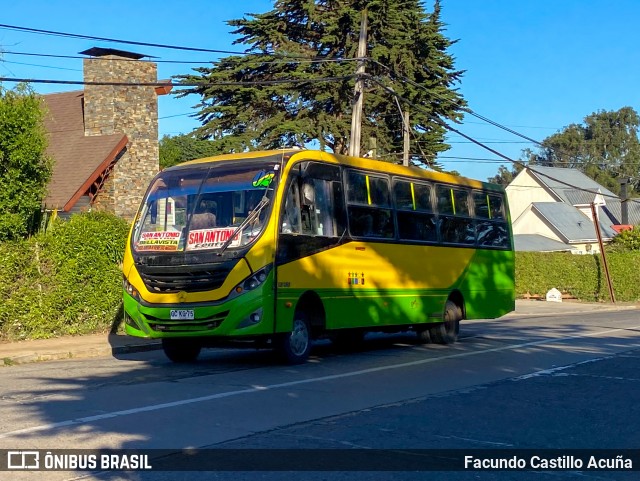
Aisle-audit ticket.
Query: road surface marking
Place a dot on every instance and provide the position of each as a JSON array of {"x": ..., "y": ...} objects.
[{"x": 255, "y": 389}]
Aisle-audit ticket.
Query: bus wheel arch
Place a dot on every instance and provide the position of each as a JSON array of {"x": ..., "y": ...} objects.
[
  {"x": 311, "y": 305},
  {"x": 308, "y": 323},
  {"x": 446, "y": 332}
]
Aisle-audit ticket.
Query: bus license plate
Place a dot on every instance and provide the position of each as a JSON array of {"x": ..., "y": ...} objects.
[{"x": 182, "y": 314}]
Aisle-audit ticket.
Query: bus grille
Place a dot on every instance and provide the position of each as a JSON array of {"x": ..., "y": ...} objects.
[{"x": 193, "y": 281}]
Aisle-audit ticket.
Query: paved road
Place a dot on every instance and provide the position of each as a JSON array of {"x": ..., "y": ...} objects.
[{"x": 525, "y": 381}]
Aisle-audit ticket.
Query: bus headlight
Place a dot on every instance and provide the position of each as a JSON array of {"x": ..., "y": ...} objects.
[
  {"x": 129, "y": 289},
  {"x": 251, "y": 282}
]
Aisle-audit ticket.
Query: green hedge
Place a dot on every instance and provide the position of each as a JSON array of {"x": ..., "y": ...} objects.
[
  {"x": 581, "y": 276},
  {"x": 65, "y": 281}
]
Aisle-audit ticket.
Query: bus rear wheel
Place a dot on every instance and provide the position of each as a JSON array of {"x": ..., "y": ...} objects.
[
  {"x": 422, "y": 334},
  {"x": 181, "y": 350},
  {"x": 447, "y": 331},
  {"x": 295, "y": 346}
]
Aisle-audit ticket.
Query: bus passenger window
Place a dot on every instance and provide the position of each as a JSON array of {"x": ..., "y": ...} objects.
[
  {"x": 415, "y": 217},
  {"x": 492, "y": 228},
  {"x": 369, "y": 202}
]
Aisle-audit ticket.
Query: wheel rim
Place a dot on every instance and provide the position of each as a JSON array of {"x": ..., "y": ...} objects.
[{"x": 299, "y": 339}]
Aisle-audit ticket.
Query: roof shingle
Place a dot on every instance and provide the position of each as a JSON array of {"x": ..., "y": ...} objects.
[{"x": 78, "y": 159}]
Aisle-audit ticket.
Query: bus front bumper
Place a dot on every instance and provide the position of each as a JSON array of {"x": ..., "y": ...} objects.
[{"x": 248, "y": 315}]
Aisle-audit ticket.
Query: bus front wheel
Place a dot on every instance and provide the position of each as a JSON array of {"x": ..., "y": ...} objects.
[
  {"x": 295, "y": 346},
  {"x": 181, "y": 350},
  {"x": 447, "y": 331}
]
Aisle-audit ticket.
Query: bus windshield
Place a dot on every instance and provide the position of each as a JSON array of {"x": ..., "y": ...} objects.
[{"x": 200, "y": 208}]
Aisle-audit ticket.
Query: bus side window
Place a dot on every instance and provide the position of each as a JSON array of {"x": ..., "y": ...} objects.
[
  {"x": 291, "y": 214},
  {"x": 308, "y": 207},
  {"x": 416, "y": 220},
  {"x": 491, "y": 225},
  {"x": 320, "y": 200},
  {"x": 455, "y": 224},
  {"x": 369, "y": 205}
]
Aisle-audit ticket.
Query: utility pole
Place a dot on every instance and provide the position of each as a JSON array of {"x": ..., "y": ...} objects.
[
  {"x": 405, "y": 130},
  {"x": 596, "y": 224},
  {"x": 358, "y": 93}
]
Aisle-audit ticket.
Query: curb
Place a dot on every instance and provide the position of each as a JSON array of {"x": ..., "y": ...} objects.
[{"x": 94, "y": 352}]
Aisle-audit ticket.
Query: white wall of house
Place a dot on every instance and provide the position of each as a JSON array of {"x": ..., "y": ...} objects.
[
  {"x": 523, "y": 191},
  {"x": 530, "y": 222},
  {"x": 586, "y": 248}
]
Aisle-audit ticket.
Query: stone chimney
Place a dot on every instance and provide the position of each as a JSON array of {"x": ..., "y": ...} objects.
[{"x": 128, "y": 110}]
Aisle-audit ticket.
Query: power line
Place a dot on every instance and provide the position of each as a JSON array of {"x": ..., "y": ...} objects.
[
  {"x": 257, "y": 60},
  {"x": 493, "y": 151},
  {"x": 254, "y": 83},
  {"x": 38, "y": 65},
  {"x": 106, "y": 39},
  {"x": 464, "y": 108},
  {"x": 468, "y": 110},
  {"x": 158, "y": 45},
  {"x": 80, "y": 57}
]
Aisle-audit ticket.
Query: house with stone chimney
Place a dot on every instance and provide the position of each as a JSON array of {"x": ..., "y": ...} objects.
[{"x": 104, "y": 139}]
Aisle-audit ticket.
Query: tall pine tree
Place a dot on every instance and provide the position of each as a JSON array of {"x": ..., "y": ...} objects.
[{"x": 312, "y": 45}]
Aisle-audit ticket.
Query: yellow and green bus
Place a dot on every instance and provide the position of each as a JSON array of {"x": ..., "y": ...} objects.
[{"x": 279, "y": 248}]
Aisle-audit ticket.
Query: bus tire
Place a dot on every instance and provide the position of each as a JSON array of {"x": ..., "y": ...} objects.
[
  {"x": 423, "y": 335},
  {"x": 181, "y": 350},
  {"x": 295, "y": 346},
  {"x": 447, "y": 331}
]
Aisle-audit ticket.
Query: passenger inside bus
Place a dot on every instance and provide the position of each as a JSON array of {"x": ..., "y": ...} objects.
[{"x": 204, "y": 216}]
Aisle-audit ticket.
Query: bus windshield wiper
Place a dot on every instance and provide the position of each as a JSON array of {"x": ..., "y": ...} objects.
[{"x": 250, "y": 218}]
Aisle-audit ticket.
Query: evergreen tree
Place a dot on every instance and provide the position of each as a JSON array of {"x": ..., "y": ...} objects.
[{"x": 310, "y": 41}]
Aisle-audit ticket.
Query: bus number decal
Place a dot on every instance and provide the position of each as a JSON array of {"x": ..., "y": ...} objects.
[{"x": 355, "y": 279}]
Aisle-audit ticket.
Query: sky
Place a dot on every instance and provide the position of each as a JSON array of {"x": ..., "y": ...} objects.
[{"x": 534, "y": 66}]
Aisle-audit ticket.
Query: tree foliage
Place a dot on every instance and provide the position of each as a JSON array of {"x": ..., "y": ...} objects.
[
  {"x": 181, "y": 148},
  {"x": 314, "y": 44},
  {"x": 627, "y": 240},
  {"x": 605, "y": 147},
  {"x": 24, "y": 167},
  {"x": 505, "y": 175}
]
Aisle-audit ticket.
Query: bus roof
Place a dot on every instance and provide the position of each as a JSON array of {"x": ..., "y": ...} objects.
[{"x": 293, "y": 155}]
